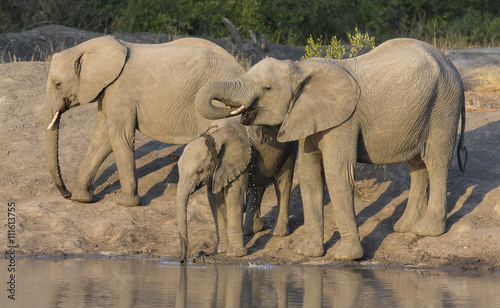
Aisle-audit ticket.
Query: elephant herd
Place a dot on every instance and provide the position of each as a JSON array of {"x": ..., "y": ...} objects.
[{"x": 401, "y": 102}]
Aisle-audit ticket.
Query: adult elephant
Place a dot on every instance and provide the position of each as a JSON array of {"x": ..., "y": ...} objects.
[
  {"x": 137, "y": 86},
  {"x": 400, "y": 102}
]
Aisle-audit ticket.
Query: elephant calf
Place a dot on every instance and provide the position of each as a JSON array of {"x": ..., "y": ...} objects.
[{"x": 233, "y": 160}]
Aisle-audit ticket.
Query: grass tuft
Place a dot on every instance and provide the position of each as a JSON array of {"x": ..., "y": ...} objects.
[
  {"x": 489, "y": 83},
  {"x": 482, "y": 91}
]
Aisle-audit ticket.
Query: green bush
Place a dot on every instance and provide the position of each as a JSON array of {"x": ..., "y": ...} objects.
[
  {"x": 93, "y": 15},
  {"x": 313, "y": 48},
  {"x": 447, "y": 23},
  {"x": 358, "y": 42},
  {"x": 336, "y": 50}
]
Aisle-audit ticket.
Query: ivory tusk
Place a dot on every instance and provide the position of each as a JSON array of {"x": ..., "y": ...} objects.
[
  {"x": 239, "y": 110},
  {"x": 56, "y": 114}
]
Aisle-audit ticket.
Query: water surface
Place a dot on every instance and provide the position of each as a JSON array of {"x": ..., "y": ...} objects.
[{"x": 132, "y": 282}]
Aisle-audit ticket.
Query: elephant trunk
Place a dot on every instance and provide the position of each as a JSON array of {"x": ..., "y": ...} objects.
[
  {"x": 52, "y": 119},
  {"x": 52, "y": 147},
  {"x": 183, "y": 192},
  {"x": 237, "y": 95}
]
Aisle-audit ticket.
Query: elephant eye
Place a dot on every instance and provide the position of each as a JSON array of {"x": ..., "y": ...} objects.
[
  {"x": 199, "y": 170},
  {"x": 57, "y": 84},
  {"x": 266, "y": 87}
]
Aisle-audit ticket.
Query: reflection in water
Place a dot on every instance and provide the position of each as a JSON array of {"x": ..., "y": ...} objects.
[{"x": 101, "y": 282}]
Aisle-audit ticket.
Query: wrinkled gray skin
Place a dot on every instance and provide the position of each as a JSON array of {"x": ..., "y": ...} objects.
[
  {"x": 400, "y": 102},
  {"x": 233, "y": 160},
  {"x": 137, "y": 86}
]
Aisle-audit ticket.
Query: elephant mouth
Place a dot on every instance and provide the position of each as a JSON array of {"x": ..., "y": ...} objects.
[
  {"x": 200, "y": 185},
  {"x": 248, "y": 116},
  {"x": 197, "y": 186}
]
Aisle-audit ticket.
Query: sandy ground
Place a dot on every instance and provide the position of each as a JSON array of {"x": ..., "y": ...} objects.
[{"x": 46, "y": 223}]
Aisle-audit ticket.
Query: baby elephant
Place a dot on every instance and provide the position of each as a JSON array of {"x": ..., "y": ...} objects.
[{"x": 233, "y": 160}]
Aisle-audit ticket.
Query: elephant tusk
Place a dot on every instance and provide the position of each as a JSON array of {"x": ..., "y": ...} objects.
[
  {"x": 56, "y": 115},
  {"x": 239, "y": 110}
]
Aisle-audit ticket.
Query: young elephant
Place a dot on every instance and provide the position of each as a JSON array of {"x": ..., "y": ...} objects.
[{"x": 233, "y": 160}]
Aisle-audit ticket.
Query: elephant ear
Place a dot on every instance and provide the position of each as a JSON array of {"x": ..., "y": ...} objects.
[
  {"x": 234, "y": 154},
  {"x": 100, "y": 63},
  {"x": 326, "y": 96}
]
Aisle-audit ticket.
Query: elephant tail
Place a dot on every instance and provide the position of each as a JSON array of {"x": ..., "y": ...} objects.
[{"x": 461, "y": 149}]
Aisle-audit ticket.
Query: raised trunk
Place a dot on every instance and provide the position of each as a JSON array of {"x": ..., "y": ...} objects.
[
  {"x": 233, "y": 94},
  {"x": 52, "y": 144},
  {"x": 183, "y": 193}
]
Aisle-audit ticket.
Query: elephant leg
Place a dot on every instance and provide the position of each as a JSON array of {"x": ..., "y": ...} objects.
[
  {"x": 235, "y": 199},
  {"x": 340, "y": 181},
  {"x": 339, "y": 159},
  {"x": 283, "y": 186},
  {"x": 99, "y": 148},
  {"x": 122, "y": 138},
  {"x": 253, "y": 221},
  {"x": 311, "y": 187},
  {"x": 417, "y": 201},
  {"x": 437, "y": 159},
  {"x": 219, "y": 210}
]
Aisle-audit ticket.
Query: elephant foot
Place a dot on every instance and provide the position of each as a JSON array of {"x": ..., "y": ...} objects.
[
  {"x": 127, "y": 200},
  {"x": 348, "y": 250},
  {"x": 236, "y": 252},
  {"x": 429, "y": 226},
  {"x": 310, "y": 248},
  {"x": 221, "y": 248},
  {"x": 404, "y": 225},
  {"x": 82, "y": 195},
  {"x": 280, "y": 230},
  {"x": 257, "y": 226}
]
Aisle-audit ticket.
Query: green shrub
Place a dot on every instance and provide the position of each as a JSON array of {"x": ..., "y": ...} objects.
[
  {"x": 336, "y": 50},
  {"x": 458, "y": 23},
  {"x": 313, "y": 48},
  {"x": 358, "y": 42}
]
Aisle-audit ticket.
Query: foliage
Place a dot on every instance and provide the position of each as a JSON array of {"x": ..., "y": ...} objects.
[
  {"x": 313, "y": 48},
  {"x": 94, "y": 15},
  {"x": 358, "y": 42},
  {"x": 336, "y": 50},
  {"x": 446, "y": 23}
]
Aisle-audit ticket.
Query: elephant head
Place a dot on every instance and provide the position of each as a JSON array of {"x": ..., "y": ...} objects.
[
  {"x": 76, "y": 77},
  {"x": 218, "y": 157},
  {"x": 303, "y": 97}
]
